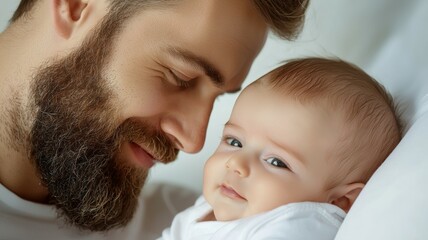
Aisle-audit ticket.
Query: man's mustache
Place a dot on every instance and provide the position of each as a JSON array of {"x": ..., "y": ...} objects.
[{"x": 158, "y": 144}]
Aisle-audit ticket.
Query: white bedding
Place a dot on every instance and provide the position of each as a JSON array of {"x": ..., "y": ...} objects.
[{"x": 393, "y": 204}]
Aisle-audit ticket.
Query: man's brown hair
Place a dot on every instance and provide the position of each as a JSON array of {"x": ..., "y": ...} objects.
[{"x": 285, "y": 17}]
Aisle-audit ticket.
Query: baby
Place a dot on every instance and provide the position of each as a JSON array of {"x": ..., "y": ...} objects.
[{"x": 299, "y": 146}]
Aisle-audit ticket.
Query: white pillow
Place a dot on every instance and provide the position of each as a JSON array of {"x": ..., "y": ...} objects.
[{"x": 393, "y": 205}]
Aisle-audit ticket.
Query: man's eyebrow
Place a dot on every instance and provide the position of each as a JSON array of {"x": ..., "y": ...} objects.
[{"x": 212, "y": 72}]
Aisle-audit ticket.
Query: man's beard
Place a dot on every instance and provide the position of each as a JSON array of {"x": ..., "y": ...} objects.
[{"x": 76, "y": 137}]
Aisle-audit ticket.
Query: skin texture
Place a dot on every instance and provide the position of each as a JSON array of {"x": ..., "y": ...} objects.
[
  {"x": 274, "y": 151},
  {"x": 84, "y": 112}
]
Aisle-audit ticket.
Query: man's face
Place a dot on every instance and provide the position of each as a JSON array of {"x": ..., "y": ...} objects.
[
  {"x": 274, "y": 151},
  {"x": 170, "y": 64},
  {"x": 103, "y": 117}
]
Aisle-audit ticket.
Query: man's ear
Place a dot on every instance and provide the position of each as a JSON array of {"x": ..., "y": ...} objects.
[
  {"x": 67, "y": 14},
  {"x": 344, "y": 196}
]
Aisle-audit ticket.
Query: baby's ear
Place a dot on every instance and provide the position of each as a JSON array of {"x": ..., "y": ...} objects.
[{"x": 344, "y": 196}]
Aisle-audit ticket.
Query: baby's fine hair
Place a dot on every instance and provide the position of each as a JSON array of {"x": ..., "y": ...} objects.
[{"x": 371, "y": 128}]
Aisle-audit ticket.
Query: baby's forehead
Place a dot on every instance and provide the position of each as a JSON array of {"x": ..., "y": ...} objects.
[
  {"x": 319, "y": 113},
  {"x": 328, "y": 111},
  {"x": 321, "y": 103}
]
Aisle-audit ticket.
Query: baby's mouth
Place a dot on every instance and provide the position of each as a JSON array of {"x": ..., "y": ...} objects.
[{"x": 229, "y": 192}]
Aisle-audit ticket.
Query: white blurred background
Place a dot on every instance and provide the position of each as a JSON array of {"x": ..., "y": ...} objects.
[{"x": 352, "y": 30}]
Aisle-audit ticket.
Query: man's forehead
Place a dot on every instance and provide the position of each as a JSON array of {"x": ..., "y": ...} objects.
[{"x": 237, "y": 21}]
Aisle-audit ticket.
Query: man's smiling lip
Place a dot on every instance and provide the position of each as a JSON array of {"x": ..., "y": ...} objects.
[
  {"x": 142, "y": 156},
  {"x": 230, "y": 192}
]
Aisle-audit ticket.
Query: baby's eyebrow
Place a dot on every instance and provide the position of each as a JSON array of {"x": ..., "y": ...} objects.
[
  {"x": 230, "y": 124},
  {"x": 295, "y": 154}
]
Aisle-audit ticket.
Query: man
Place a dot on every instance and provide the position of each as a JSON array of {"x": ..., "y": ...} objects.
[{"x": 93, "y": 92}]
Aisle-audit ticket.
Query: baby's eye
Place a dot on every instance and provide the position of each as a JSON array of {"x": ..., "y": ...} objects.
[
  {"x": 233, "y": 142},
  {"x": 276, "y": 162}
]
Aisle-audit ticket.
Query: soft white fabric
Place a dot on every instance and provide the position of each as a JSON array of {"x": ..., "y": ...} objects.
[
  {"x": 296, "y": 221},
  {"x": 21, "y": 219}
]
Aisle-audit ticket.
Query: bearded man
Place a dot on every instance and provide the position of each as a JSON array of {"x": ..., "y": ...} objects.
[{"x": 94, "y": 92}]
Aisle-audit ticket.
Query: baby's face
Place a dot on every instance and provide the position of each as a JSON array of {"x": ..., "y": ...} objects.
[{"x": 274, "y": 151}]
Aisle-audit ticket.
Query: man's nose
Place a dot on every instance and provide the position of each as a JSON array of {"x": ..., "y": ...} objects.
[
  {"x": 238, "y": 164},
  {"x": 186, "y": 124}
]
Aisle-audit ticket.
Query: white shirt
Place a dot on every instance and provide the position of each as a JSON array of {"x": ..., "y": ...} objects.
[
  {"x": 295, "y": 221},
  {"x": 157, "y": 206},
  {"x": 21, "y": 219}
]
